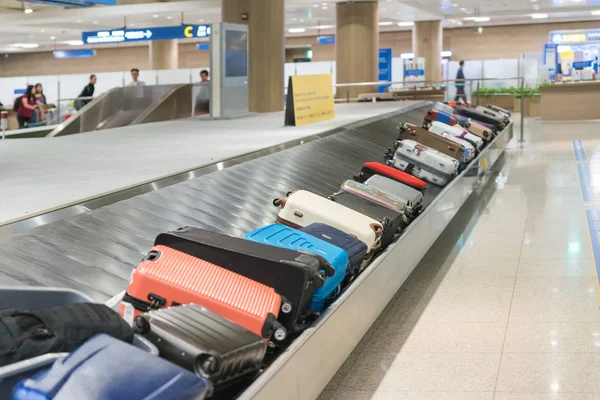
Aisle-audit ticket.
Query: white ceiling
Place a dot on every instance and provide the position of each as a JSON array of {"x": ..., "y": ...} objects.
[{"x": 52, "y": 27}]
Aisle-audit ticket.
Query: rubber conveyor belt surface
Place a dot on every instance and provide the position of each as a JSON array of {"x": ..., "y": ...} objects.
[{"x": 95, "y": 252}]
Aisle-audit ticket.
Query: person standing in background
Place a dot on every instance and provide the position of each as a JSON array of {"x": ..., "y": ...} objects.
[
  {"x": 88, "y": 91},
  {"x": 26, "y": 107},
  {"x": 40, "y": 100},
  {"x": 135, "y": 74},
  {"x": 204, "y": 76},
  {"x": 460, "y": 83}
]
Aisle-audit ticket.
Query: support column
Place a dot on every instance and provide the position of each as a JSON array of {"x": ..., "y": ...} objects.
[
  {"x": 266, "y": 49},
  {"x": 164, "y": 54},
  {"x": 427, "y": 39},
  {"x": 356, "y": 46}
]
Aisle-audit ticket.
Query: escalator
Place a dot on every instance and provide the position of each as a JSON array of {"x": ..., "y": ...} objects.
[{"x": 124, "y": 106}]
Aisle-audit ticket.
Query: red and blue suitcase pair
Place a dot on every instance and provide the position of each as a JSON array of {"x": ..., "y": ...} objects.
[
  {"x": 289, "y": 238},
  {"x": 290, "y": 274},
  {"x": 438, "y": 115},
  {"x": 104, "y": 368}
]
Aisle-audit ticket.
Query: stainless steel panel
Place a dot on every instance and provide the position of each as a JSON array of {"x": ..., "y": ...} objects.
[{"x": 307, "y": 366}]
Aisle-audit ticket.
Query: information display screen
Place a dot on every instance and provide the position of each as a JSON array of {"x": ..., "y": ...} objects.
[{"x": 236, "y": 54}]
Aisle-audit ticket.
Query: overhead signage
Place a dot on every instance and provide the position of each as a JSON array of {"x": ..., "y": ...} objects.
[
  {"x": 574, "y": 36},
  {"x": 79, "y": 53},
  {"x": 385, "y": 68},
  {"x": 326, "y": 39},
  {"x": 309, "y": 99},
  {"x": 137, "y": 35}
]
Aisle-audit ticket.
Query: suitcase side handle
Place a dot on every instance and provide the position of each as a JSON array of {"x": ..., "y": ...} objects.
[
  {"x": 377, "y": 228},
  {"x": 208, "y": 364}
]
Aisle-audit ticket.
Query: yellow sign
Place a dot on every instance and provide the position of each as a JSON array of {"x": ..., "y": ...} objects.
[
  {"x": 188, "y": 31},
  {"x": 310, "y": 99}
]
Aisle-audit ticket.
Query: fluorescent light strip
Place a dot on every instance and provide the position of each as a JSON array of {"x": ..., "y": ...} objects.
[
  {"x": 296, "y": 30},
  {"x": 407, "y": 23},
  {"x": 596, "y": 12},
  {"x": 539, "y": 16},
  {"x": 386, "y": 23},
  {"x": 477, "y": 19},
  {"x": 445, "y": 53}
]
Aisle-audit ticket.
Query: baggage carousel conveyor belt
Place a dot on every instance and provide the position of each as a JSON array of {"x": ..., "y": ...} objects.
[{"x": 94, "y": 252}]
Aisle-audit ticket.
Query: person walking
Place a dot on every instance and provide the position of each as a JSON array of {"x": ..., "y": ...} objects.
[
  {"x": 135, "y": 74},
  {"x": 460, "y": 83},
  {"x": 88, "y": 91},
  {"x": 204, "y": 76},
  {"x": 26, "y": 107}
]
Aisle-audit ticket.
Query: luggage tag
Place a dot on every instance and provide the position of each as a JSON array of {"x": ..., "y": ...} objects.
[{"x": 127, "y": 312}]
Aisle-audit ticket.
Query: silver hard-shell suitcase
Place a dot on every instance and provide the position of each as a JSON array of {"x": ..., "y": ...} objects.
[
  {"x": 410, "y": 196},
  {"x": 456, "y": 131},
  {"x": 426, "y": 175},
  {"x": 202, "y": 341}
]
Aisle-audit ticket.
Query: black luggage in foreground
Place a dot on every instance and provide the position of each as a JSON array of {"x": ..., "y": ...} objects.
[
  {"x": 202, "y": 341},
  {"x": 294, "y": 275},
  {"x": 391, "y": 220}
]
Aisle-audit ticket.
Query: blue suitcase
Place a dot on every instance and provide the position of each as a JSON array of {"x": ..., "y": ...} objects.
[
  {"x": 289, "y": 238},
  {"x": 105, "y": 368}
]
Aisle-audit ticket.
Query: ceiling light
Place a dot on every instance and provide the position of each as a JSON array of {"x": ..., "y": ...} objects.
[
  {"x": 324, "y": 8},
  {"x": 596, "y": 12},
  {"x": 322, "y": 27},
  {"x": 539, "y": 16},
  {"x": 74, "y": 42},
  {"x": 52, "y": 37},
  {"x": 446, "y": 53},
  {"x": 324, "y": 4},
  {"x": 26, "y": 45},
  {"x": 155, "y": 16},
  {"x": 477, "y": 19},
  {"x": 386, "y": 23},
  {"x": 94, "y": 22},
  {"x": 296, "y": 30},
  {"x": 42, "y": 30},
  {"x": 315, "y": 5},
  {"x": 79, "y": 21},
  {"x": 534, "y": 1},
  {"x": 169, "y": 17},
  {"x": 407, "y": 23},
  {"x": 454, "y": 5},
  {"x": 28, "y": 11}
]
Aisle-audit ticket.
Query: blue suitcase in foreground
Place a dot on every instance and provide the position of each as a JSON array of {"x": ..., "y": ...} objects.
[
  {"x": 283, "y": 236},
  {"x": 105, "y": 368}
]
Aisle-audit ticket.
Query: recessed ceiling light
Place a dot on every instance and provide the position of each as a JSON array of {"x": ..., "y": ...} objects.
[
  {"x": 539, "y": 16},
  {"x": 477, "y": 19},
  {"x": 406, "y": 23},
  {"x": 94, "y": 22},
  {"x": 454, "y": 5},
  {"x": 42, "y": 30},
  {"x": 386, "y": 23},
  {"x": 79, "y": 21},
  {"x": 74, "y": 42},
  {"x": 169, "y": 17},
  {"x": 324, "y": 4},
  {"x": 315, "y": 5},
  {"x": 534, "y": 1},
  {"x": 596, "y": 12},
  {"x": 155, "y": 16},
  {"x": 296, "y": 30},
  {"x": 384, "y": 9},
  {"x": 52, "y": 37},
  {"x": 324, "y": 8},
  {"x": 322, "y": 27},
  {"x": 28, "y": 11}
]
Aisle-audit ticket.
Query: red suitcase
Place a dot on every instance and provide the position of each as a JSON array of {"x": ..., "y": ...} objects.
[
  {"x": 168, "y": 277},
  {"x": 374, "y": 168}
]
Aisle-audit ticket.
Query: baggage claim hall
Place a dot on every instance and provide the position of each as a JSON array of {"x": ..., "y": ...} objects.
[{"x": 299, "y": 200}]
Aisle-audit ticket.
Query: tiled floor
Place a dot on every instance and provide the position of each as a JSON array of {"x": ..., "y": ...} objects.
[{"x": 505, "y": 306}]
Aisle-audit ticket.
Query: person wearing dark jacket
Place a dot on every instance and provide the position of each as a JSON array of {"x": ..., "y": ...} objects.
[
  {"x": 88, "y": 91},
  {"x": 460, "y": 83}
]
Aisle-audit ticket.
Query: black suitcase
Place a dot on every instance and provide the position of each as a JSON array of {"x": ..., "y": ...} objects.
[
  {"x": 499, "y": 109},
  {"x": 392, "y": 221},
  {"x": 498, "y": 123},
  {"x": 294, "y": 275},
  {"x": 202, "y": 341}
]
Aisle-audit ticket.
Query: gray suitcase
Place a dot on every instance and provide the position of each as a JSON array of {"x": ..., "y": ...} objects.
[
  {"x": 444, "y": 107},
  {"x": 411, "y": 197},
  {"x": 200, "y": 340}
]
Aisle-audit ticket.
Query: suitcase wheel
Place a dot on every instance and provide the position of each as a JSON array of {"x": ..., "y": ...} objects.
[
  {"x": 286, "y": 306},
  {"x": 274, "y": 329},
  {"x": 207, "y": 365},
  {"x": 141, "y": 325}
]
